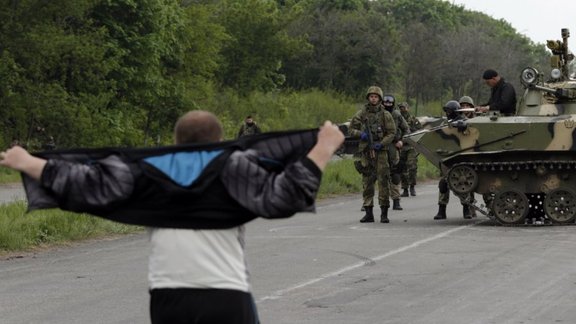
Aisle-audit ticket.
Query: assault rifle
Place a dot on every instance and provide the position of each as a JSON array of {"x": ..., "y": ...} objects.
[{"x": 371, "y": 151}]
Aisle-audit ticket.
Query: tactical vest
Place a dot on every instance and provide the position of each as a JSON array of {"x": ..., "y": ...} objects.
[{"x": 249, "y": 129}]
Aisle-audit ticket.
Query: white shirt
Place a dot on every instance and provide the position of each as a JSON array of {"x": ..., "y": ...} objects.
[{"x": 182, "y": 258}]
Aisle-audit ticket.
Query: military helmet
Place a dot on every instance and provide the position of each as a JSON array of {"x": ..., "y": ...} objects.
[
  {"x": 403, "y": 104},
  {"x": 451, "y": 107},
  {"x": 375, "y": 90},
  {"x": 466, "y": 99}
]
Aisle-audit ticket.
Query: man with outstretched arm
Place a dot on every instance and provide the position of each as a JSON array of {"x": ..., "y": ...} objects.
[{"x": 197, "y": 267}]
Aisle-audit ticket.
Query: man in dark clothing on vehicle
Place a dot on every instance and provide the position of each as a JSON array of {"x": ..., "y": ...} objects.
[{"x": 503, "y": 95}]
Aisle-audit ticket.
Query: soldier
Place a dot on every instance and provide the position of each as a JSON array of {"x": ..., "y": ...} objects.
[
  {"x": 396, "y": 168},
  {"x": 408, "y": 153},
  {"x": 376, "y": 129},
  {"x": 452, "y": 109},
  {"x": 467, "y": 107},
  {"x": 249, "y": 127}
]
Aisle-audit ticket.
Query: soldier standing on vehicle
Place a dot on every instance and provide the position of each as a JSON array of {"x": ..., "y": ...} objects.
[
  {"x": 503, "y": 95},
  {"x": 409, "y": 154},
  {"x": 453, "y": 113},
  {"x": 376, "y": 129},
  {"x": 249, "y": 127},
  {"x": 396, "y": 167}
]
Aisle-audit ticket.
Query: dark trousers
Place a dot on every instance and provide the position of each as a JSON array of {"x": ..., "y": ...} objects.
[{"x": 202, "y": 306}]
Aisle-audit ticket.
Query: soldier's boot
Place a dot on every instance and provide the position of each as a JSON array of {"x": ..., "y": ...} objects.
[
  {"x": 369, "y": 217},
  {"x": 412, "y": 191},
  {"x": 384, "y": 215},
  {"x": 467, "y": 212},
  {"x": 405, "y": 193},
  {"x": 396, "y": 205},
  {"x": 441, "y": 212}
]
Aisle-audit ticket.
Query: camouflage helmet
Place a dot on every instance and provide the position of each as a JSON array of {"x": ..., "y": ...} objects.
[
  {"x": 466, "y": 99},
  {"x": 451, "y": 107},
  {"x": 375, "y": 90},
  {"x": 403, "y": 104}
]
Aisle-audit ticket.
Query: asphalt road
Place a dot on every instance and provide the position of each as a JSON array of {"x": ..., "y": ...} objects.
[{"x": 328, "y": 268}]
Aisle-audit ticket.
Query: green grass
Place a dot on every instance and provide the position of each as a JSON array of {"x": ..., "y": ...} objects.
[
  {"x": 426, "y": 170},
  {"x": 9, "y": 176},
  {"x": 23, "y": 231},
  {"x": 339, "y": 178}
]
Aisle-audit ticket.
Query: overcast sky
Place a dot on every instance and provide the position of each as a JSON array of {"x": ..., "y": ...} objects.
[{"x": 540, "y": 20}]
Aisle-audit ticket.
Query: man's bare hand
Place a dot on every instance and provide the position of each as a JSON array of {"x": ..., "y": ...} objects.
[
  {"x": 329, "y": 140},
  {"x": 19, "y": 159}
]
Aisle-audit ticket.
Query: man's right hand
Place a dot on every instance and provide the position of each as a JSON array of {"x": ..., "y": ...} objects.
[{"x": 364, "y": 137}]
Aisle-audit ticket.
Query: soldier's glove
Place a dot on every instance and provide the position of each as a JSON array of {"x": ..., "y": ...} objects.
[
  {"x": 364, "y": 136},
  {"x": 460, "y": 124},
  {"x": 378, "y": 147}
]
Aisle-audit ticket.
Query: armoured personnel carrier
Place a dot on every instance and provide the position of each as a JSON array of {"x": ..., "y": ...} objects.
[{"x": 524, "y": 166}]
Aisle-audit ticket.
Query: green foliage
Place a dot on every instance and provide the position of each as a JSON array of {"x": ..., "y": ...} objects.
[
  {"x": 274, "y": 111},
  {"x": 9, "y": 176},
  {"x": 427, "y": 170},
  {"x": 21, "y": 231},
  {"x": 258, "y": 46},
  {"x": 76, "y": 70},
  {"x": 340, "y": 177}
]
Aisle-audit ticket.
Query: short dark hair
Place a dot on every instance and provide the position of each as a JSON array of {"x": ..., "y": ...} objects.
[
  {"x": 489, "y": 74},
  {"x": 198, "y": 126}
]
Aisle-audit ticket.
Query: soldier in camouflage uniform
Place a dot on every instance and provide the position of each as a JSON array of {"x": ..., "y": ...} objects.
[
  {"x": 453, "y": 113},
  {"x": 249, "y": 127},
  {"x": 396, "y": 167},
  {"x": 376, "y": 129},
  {"x": 408, "y": 153}
]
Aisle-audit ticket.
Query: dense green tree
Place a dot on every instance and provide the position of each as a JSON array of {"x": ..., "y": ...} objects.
[
  {"x": 118, "y": 72},
  {"x": 352, "y": 50},
  {"x": 258, "y": 46}
]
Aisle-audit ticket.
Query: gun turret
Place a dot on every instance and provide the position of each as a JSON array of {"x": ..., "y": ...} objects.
[{"x": 561, "y": 55}]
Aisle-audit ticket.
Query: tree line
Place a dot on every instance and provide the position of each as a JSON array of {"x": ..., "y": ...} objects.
[{"x": 119, "y": 72}]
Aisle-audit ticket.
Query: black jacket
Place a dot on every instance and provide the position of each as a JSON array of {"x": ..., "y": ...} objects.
[
  {"x": 503, "y": 98},
  {"x": 266, "y": 175}
]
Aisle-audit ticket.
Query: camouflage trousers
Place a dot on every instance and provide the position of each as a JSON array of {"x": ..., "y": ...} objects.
[
  {"x": 409, "y": 155},
  {"x": 394, "y": 190},
  {"x": 444, "y": 193},
  {"x": 376, "y": 171},
  {"x": 396, "y": 166}
]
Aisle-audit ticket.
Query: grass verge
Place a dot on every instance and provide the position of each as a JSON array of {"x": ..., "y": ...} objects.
[
  {"x": 20, "y": 231},
  {"x": 9, "y": 176}
]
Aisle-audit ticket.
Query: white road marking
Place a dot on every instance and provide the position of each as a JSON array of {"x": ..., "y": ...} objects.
[{"x": 279, "y": 293}]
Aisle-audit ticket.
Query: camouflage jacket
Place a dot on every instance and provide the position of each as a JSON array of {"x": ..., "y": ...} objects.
[
  {"x": 249, "y": 129},
  {"x": 412, "y": 121},
  {"x": 378, "y": 120},
  {"x": 401, "y": 125}
]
